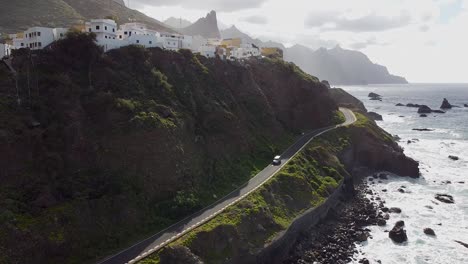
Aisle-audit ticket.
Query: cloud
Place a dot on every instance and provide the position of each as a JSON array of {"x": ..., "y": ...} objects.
[
  {"x": 218, "y": 5},
  {"x": 260, "y": 20},
  {"x": 364, "y": 44},
  {"x": 332, "y": 21}
]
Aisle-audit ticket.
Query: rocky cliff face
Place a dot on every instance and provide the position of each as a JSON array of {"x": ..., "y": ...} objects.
[
  {"x": 206, "y": 27},
  {"x": 107, "y": 148}
]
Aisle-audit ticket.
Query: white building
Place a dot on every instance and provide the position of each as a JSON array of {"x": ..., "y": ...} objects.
[
  {"x": 5, "y": 50},
  {"x": 106, "y": 33},
  {"x": 245, "y": 51},
  {"x": 208, "y": 51},
  {"x": 37, "y": 37}
]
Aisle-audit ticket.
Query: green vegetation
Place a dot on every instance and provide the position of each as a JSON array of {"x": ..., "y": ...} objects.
[
  {"x": 292, "y": 68},
  {"x": 108, "y": 148},
  {"x": 338, "y": 118},
  {"x": 305, "y": 182}
]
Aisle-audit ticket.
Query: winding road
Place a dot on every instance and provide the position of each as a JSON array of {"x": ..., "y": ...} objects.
[{"x": 152, "y": 244}]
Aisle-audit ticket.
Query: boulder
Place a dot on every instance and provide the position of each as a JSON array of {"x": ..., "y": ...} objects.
[
  {"x": 375, "y": 96},
  {"x": 395, "y": 210},
  {"x": 429, "y": 232},
  {"x": 446, "y": 104},
  {"x": 423, "y": 115},
  {"x": 424, "y": 109},
  {"x": 438, "y": 111},
  {"x": 381, "y": 222},
  {"x": 375, "y": 116},
  {"x": 398, "y": 233},
  {"x": 422, "y": 129},
  {"x": 445, "y": 198},
  {"x": 413, "y": 105},
  {"x": 178, "y": 254},
  {"x": 399, "y": 104},
  {"x": 462, "y": 243},
  {"x": 465, "y": 105},
  {"x": 453, "y": 157}
]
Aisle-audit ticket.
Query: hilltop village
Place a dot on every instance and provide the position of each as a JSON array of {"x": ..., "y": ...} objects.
[{"x": 111, "y": 36}]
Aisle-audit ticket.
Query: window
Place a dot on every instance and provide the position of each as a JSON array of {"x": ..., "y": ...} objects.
[
  {"x": 113, "y": 29},
  {"x": 120, "y": 36},
  {"x": 150, "y": 42},
  {"x": 89, "y": 29},
  {"x": 22, "y": 44},
  {"x": 105, "y": 36},
  {"x": 125, "y": 33},
  {"x": 40, "y": 44},
  {"x": 105, "y": 28},
  {"x": 98, "y": 27},
  {"x": 61, "y": 34},
  {"x": 138, "y": 41},
  {"x": 38, "y": 34}
]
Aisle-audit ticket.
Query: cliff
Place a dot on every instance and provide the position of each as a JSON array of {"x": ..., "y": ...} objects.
[
  {"x": 206, "y": 27},
  {"x": 105, "y": 149},
  {"x": 263, "y": 227}
]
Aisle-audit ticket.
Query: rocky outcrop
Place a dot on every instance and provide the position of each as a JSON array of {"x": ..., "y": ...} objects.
[
  {"x": 454, "y": 157},
  {"x": 466, "y": 105},
  {"x": 206, "y": 27},
  {"x": 413, "y": 105},
  {"x": 178, "y": 254},
  {"x": 374, "y": 96},
  {"x": 399, "y": 104},
  {"x": 398, "y": 233},
  {"x": 429, "y": 232},
  {"x": 344, "y": 99},
  {"x": 424, "y": 109},
  {"x": 445, "y": 198},
  {"x": 375, "y": 116},
  {"x": 446, "y": 104}
]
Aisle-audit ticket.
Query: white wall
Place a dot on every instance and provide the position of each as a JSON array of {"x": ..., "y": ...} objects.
[
  {"x": 5, "y": 50},
  {"x": 38, "y": 37}
]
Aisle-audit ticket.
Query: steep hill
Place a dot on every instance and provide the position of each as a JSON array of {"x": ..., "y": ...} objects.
[
  {"x": 108, "y": 148},
  {"x": 206, "y": 27},
  {"x": 177, "y": 23},
  {"x": 21, "y": 14}
]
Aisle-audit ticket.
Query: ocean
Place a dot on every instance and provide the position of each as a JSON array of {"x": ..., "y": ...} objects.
[{"x": 440, "y": 175}]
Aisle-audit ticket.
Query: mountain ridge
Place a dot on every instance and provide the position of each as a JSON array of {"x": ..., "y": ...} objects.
[
  {"x": 16, "y": 16},
  {"x": 206, "y": 27}
]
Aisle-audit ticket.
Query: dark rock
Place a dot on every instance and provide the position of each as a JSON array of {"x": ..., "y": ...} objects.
[
  {"x": 462, "y": 243},
  {"x": 381, "y": 222},
  {"x": 395, "y": 210},
  {"x": 398, "y": 233},
  {"x": 374, "y": 95},
  {"x": 429, "y": 207},
  {"x": 326, "y": 83},
  {"x": 364, "y": 261},
  {"x": 423, "y": 129},
  {"x": 453, "y": 157},
  {"x": 383, "y": 176},
  {"x": 465, "y": 105},
  {"x": 438, "y": 111},
  {"x": 375, "y": 116},
  {"x": 401, "y": 190},
  {"x": 413, "y": 105},
  {"x": 384, "y": 190},
  {"x": 446, "y": 104},
  {"x": 399, "y": 104},
  {"x": 445, "y": 198},
  {"x": 386, "y": 216},
  {"x": 424, "y": 109},
  {"x": 429, "y": 232},
  {"x": 423, "y": 115}
]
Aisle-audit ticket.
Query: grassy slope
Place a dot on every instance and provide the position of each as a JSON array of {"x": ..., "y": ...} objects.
[{"x": 305, "y": 182}]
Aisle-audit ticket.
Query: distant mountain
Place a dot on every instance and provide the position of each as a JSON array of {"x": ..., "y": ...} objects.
[
  {"x": 19, "y": 15},
  {"x": 206, "y": 27},
  {"x": 177, "y": 23},
  {"x": 338, "y": 66}
]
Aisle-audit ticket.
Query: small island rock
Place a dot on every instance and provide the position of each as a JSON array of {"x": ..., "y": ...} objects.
[{"x": 446, "y": 104}]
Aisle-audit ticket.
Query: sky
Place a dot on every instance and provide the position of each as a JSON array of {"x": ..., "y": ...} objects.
[{"x": 422, "y": 40}]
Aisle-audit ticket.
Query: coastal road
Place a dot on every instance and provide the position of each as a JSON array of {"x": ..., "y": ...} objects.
[{"x": 152, "y": 244}]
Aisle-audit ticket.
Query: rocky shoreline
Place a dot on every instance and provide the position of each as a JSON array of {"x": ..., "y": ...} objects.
[{"x": 333, "y": 241}]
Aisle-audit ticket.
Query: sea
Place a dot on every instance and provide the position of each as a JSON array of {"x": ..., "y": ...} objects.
[{"x": 439, "y": 174}]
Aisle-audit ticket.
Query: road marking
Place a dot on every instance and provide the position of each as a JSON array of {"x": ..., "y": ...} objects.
[{"x": 183, "y": 232}]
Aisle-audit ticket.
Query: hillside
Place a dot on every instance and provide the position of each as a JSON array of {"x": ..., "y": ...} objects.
[
  {"x": 206, "y": 27},
  {"x": 17, "y": 15},
  {"x": 112, "y": 147},
  {"x": 177, "y": 23}
]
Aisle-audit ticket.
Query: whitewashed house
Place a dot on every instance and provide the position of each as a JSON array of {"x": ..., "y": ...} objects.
[
  {"x": 106, "y": 33},
  {"x": 38, "y": 37},
  {"x": 5, "y": 50},
  {"x": 138, "y": 34},
  {"x": 175, "y": 41},
  {"x": 197, "y": 42}
]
